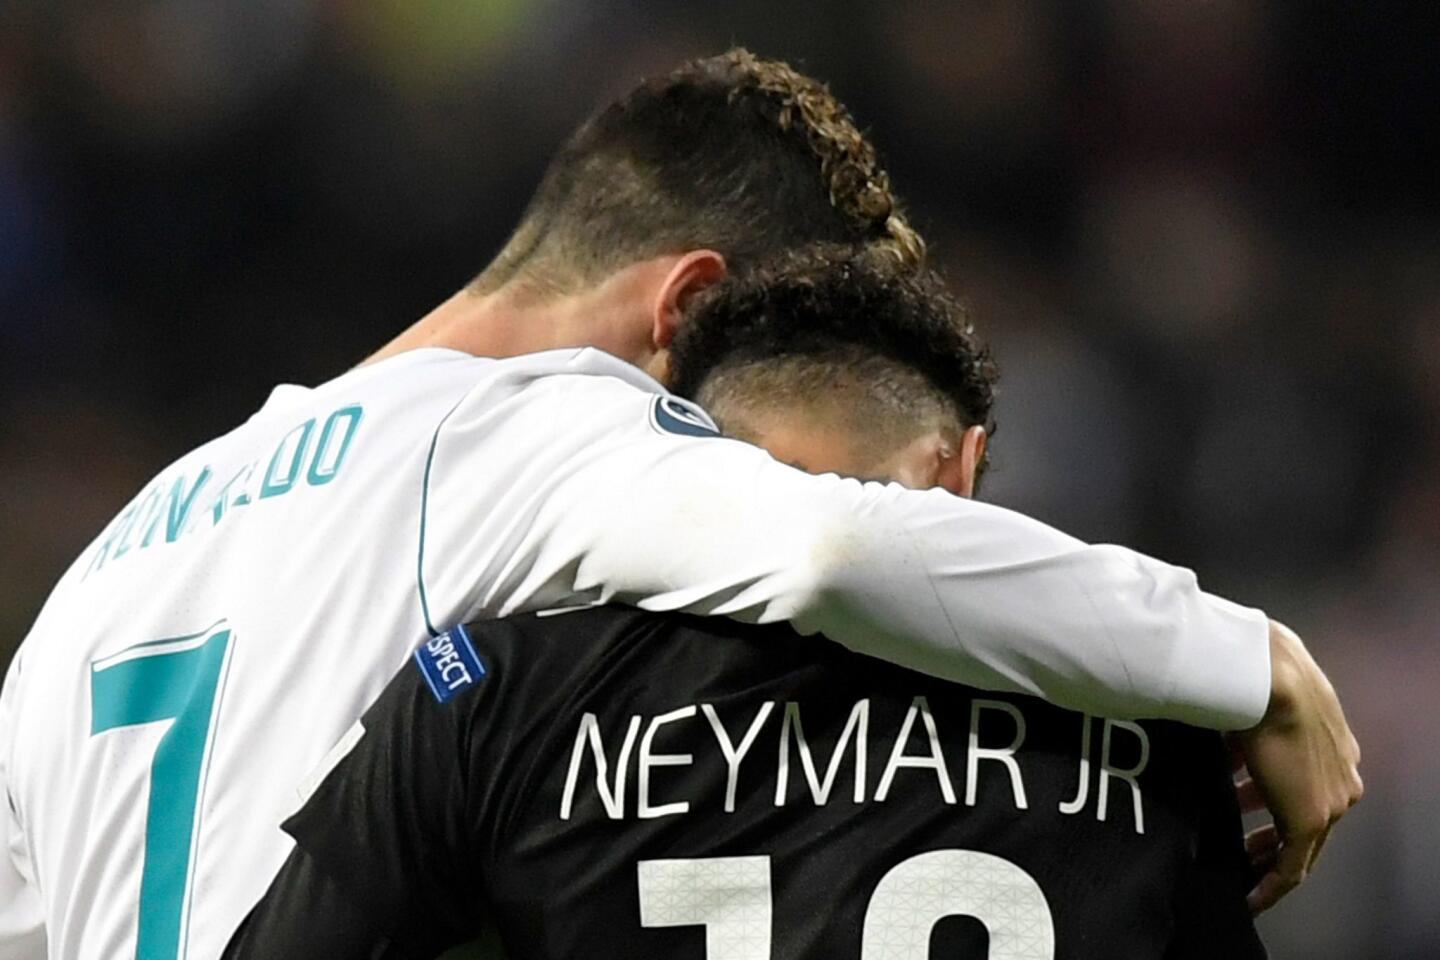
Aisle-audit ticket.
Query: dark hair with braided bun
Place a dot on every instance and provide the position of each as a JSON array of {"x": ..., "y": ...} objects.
[
  {"x": 790, "y": 332},
  {"x": 732, "y": 153}
]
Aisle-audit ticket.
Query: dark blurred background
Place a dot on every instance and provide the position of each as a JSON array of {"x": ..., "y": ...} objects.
[{"x": 1203, "y": 237}]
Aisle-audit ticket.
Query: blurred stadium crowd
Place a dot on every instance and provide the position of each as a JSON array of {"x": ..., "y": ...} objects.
[{"x": 1203, "y": 238}]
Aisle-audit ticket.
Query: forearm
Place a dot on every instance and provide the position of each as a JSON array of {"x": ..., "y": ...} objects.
[{"x": 988, "y": 597}]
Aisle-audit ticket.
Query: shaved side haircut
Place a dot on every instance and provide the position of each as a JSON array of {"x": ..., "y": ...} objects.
[{"x": 845, "y": 336}]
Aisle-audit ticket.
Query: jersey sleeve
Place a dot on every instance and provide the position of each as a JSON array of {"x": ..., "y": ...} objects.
[
  {"x": 308, "y": 913},
  {"x": 613, "y": 497},
  {"x": 22, "y": 925},
  {"x": 384, "y": 837}
]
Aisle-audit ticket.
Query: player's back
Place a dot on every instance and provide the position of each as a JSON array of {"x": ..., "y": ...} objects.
[
  {"x": 629, "y": 785},
  {"x": 199, "y": 658}
]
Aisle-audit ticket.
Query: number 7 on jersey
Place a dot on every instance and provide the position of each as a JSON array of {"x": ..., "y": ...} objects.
[{"x": 178, "y": 680}]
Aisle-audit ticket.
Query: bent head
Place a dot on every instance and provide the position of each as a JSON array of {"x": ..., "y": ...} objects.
[
  {"x": 724, "y": 163},
  {"x": 842, "y": 362}
]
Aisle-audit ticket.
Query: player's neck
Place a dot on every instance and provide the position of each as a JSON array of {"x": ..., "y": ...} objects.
[
  {"x": 486, "y": 325},
  {"x": 611, "y": 316}
]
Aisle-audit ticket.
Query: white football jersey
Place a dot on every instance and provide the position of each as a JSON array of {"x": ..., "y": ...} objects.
[{"x": 194, "y": 666}]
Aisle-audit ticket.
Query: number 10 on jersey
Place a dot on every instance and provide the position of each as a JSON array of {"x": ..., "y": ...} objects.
[
  {"x": 730, "y": 897},
  {"x": 177, "y": 680}
]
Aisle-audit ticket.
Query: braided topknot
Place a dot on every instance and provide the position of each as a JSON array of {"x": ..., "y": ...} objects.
[{"x": 859, "y": 188}]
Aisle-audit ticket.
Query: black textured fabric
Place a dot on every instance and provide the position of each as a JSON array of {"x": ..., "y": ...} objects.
[{"x": 491, "y": 805}]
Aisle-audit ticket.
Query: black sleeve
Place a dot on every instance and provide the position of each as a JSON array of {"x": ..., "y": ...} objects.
[
  {"x": 306, "y": 914},
  {"x": 387, "y": 835},
  {"x": 1212, "y": 917}
]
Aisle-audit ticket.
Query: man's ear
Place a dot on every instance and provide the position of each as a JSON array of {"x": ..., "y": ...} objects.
[
  {"x": 692, "y": 273},
  {"x": 960, "y": 472}
]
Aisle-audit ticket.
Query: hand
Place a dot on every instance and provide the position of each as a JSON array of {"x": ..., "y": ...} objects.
[{"x": 1303, "y": 763}]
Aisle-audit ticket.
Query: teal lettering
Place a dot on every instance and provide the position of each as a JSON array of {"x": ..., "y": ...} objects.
[
  {"x": 180, "y": 504},
  {"x": 319, "y": 473},
  {"x": 275, "y": 485},
  {"x": 112, "y": 534},
  {"x": 144, "y": 516},
  {"x": 151, "y": 523},
  {"x": 217, "y": 509},
  {"x": 122, "y": 545}
]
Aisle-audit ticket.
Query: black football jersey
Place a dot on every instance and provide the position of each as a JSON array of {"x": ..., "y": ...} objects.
[{"x": 612, "y": 783}]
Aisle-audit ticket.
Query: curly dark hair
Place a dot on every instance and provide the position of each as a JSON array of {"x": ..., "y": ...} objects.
[
  {"x": 733, "y": 153},
  {"x": 836, "y": 308}
]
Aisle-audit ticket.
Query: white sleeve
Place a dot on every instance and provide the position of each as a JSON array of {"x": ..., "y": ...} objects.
[
  {"x": 600, "y": 505},
  {"x": 22, "y": 927}
]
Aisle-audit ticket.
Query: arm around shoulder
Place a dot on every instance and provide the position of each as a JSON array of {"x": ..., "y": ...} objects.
[
  {"x": 986, "y": 596},
  {"x": 613, "y": 508}
]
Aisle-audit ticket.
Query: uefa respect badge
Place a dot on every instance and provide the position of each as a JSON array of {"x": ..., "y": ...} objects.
[{"x": 450, "y": 664}]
